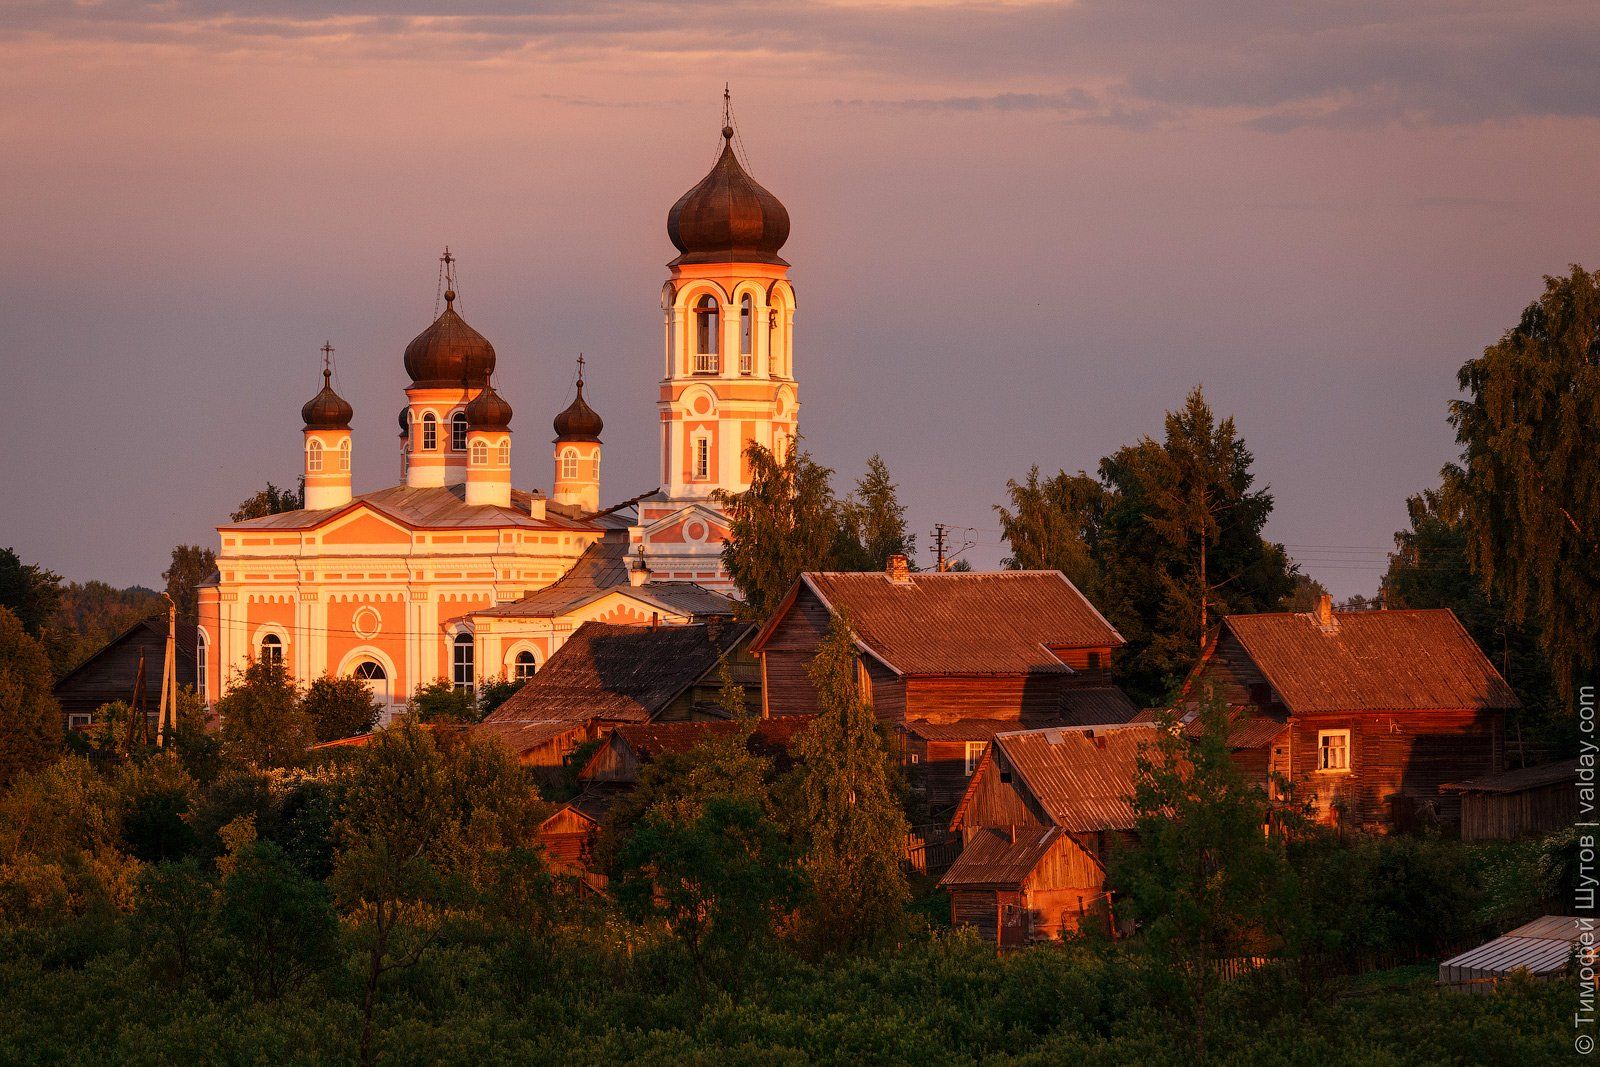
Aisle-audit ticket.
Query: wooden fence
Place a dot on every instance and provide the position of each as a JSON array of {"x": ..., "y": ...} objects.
[{"x": 931, "y": 849}]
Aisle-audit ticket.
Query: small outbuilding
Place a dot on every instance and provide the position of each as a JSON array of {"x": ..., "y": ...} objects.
[
  {"x": 1543, "y": 948},
  {"x": 1520, "y": 803}
]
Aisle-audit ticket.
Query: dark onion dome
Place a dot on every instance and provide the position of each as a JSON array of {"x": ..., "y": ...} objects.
[
  {"x": 728, "y": 218},
  {"x": 327, "y": 410},
  {"x": 449, "y": 352},
  {"x": 488, "y": 411},
  {"x": 579, "y": 422},
  {"x": 405, "y": 421}
]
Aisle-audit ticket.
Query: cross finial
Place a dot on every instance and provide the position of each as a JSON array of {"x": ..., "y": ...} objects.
[
  {"x": 580, "y": 368},
  {"x": 327, "y": 361},
  {"x": 447, "y": 275}
]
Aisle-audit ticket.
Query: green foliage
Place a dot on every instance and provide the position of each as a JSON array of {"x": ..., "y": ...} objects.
[
  {"x": 492, "y": 692},
  {"x": 277, "y": 927},
  {"x": 340, "y": 707},
  {"x": 190, "y": 565},
  {"x": 1054, "y": 524},
  {"x": 157, "y": 794},
  {"x": 440, "y": 702},
  {"x": 30, "y": 718},
  {"x": 173, "y": 918},
  {"x": 271, "y": 501},
  {"x": 785, "y": 523},
  {"x": 28, "y": 591},
  {"x": 263, "y": 719},
  {"x": 1528, "y": 484},
  {"x": 872, "y": 523},
  {"x": 843, "y": 811},
  {"x": 89, "y": 615}
]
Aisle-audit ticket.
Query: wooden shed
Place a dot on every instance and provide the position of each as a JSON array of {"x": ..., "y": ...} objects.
[
  {"x": 1520, "y": 803},
  {"x": 110, "y": 674},
  {"x": 568, "y": 836},
  {"x": 1543, "y": 949},
  {"x": 1017, "y": 886}
]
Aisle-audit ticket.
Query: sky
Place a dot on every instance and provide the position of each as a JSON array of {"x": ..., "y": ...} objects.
[{"x": 1021, "y": 233}]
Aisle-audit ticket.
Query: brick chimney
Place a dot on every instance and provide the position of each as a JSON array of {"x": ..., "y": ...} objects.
[
  {"x": 536, "y": 505},
  {"x": 1325, "y": 614},
  {"x": 715, "y": 624},
  {"x": 898, "y": 570}
]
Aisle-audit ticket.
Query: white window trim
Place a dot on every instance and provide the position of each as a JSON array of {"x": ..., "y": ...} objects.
[
  {"x": 1349, "y": 753},
  {"x": 569, "y": 464},
  {"x": 314, "y": 456},
  {"x": 480, "y": 453},
  {"x": 430, "y": 430},
  {"x": 697, "y": 472},
  {"x": 974, "y": 753},
  {"x": 459, "y": 420},
  {"x": 344, "y": 456}
]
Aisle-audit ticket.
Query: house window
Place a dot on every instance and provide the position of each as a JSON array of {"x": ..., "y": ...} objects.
[
  {"x": 523, "y": 666},
  {"x": 314, "y": 457},
  {"x": 480, "y": 454},
  {"x": 430, "y": 432},
  {"x": 974, "y": 754},
  {"x": 1333, "y": 750},
  {"x": 272, "y": 649},
  {"x": 461, "y": 662},
  {"x": 200, "y": 667},
  {"x": 458, "y": 431},
  {"x": 708, "y": 324},
  {"x": 702, "y": 458},
  {"x": 569, "y": 464},
  {"x": 505, "y": 453},
  {"x": 747, "y": 361},
  {"x": 80, "y": 720},
  {"x": 344, "y": 457}
]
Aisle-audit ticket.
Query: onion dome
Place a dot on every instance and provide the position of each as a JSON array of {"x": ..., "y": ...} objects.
[
  {"x": 327, "y": 410},
  {"x": 728, "y": 218},
  {"x": 405, "y": 421},
  {"x": 449, "y": 352},
  {"x": 579, "y": 422},
  {"x": 488, "y": 411}
]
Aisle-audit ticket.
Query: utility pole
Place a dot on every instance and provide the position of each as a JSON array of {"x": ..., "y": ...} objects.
[
  {"x": 938, "y": 546},
  {"x": 169, "y": 677}
]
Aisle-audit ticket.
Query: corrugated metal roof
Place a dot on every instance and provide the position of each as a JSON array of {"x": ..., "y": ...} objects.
[
  {"x": 1000, "y": 622},
  {"x": 1096, "y": 706},
  {"x": 991, "y": 858},
  {"x": 524, "y": 735},
  {"x": 1084, "y": 778},
  {"x": 1517, "y": 780},
  {"x": 1371, "y": 660},
  {"x": 964, "y": 730},
  {"x": 601, "y": 571},
  {"x": 649, "y": 741},
  {"x": 1542, "y": 947},
  {"x": 441, "y": 507},
  {"x": 1249, "y": 728},
  {"x": 619, "y": 673}
]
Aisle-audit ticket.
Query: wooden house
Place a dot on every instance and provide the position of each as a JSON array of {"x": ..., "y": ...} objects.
[
  {"x": 568, "y": 836},
  {"x": 111, "y": 673},
  {"x": 949, "y": 659},
  {"x": 629, "y": 747},
  {"x": 1519, "y": 803},
  {"x": 1364, "y": 713},
  {"x": 1037, "y": 820}
]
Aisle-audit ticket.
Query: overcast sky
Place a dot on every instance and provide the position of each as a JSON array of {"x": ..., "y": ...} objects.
[{"x": 1022, "y": 231}]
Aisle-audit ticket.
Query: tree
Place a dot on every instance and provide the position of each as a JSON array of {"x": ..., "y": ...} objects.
[
  {"x": 872, "y": 523},
  {"x": 173, "y": 917},
  {"x": 1528, "y": 484},
  {"x": 1054, "y": 525},
  {"x": 29, "y": 591},
  {"x": 441, "y": 702},
  {"x": 720, "y": 882},
  {"x": 1203, "y": 880},
  {"x": 190, "y": 566},
  {"x": 271, "y": 501},
  {"x": 278, "y": 924},
  {"x": 1306, "y": 593},
  {"x": 30, "y": 718},
  {"x": 843, "y": 811},
  {"x": 492, "y": 692},
  {"x": 89, "y": 615},
  {"x": 263, "y": 719},
  {"x": 785, "y": 523},
  {"x": 340, "y": 707}
]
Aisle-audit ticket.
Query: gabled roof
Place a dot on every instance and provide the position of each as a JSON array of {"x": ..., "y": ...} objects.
[
  {"x": 1371, "y": 661},
  {"x": 525, "y": 735},
  {"x": 601, "y": 570},
  {"x": 1095, "y": 706},
  {"x": 1515, "y": 781},
  {"x": 440, "y": 507},
  {"x": 1082, "y": 778},
  {"x": 960, "y": 623},
  {"x": 620, "y": 673},
  {"x": 995, "y": 857},
  {"x": 1249, "y": 728},
  {"x": 652, "y": 740},
  {"x": 184, "y": 650}
]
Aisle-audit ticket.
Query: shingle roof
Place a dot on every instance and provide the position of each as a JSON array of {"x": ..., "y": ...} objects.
[
  {"x": 1371, "y": 660},
  {"x": 619, "y": 673},
  {"x": 1095, "y": 706},
  {"x": 1083, "y": 778},
  {"x": 602, "y": 570},
  {"x": 962, "y": 730},
  {"x": 1250, "y": 728},
  {"x": 440, "y": 507},
  {"x": 1000, "y": 622},
  {"x": 991, "y": 857},
  {"x": 1515, "y": 781}
]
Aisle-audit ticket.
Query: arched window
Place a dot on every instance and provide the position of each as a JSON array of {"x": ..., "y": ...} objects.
[
  {"x": 505, "y": 453},
  {"x": 377, "y": 679},
  {"x": 461, "y": 670},
  {"x": 707, "y": 334},
  {"x": 272, "y": 649},
  {"x": 430, "y": 432},
  {"x": 523, "y": 666},
  {"x": 569, "y": 464},
  {"x": 458, "y": 431},
  {"x": 747, "y": 313},
  {"x": 314, "y": 457},
  {"x": 344, "y": 456},
  {"x": 200, "y": 665},
  {"x": 480, "y": 453},
  {"x": 702, "y": 457}
]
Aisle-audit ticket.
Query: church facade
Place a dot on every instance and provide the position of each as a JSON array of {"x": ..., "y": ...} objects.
[{"x": 457, "y": 574}]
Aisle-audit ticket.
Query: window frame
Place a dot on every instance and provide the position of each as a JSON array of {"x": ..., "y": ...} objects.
[
  {"x": 430, "y": 431},
  {"x": 971, "y": 759},
  {"x": 458, "y": 432},
  {"x": 701, "y": 458},
  {"x": 313, "y": 456},
  {"x": 202, "y": 656},
  {"x": 518, "y": 663},
  {"x": 707, "y": 335},
  {"x": 273, "y": 642},
  {"x": 503, "y": 454},
  {"x": 344, "y": 456},
  {"x": 569, "y": 464},
  {"x": 464, "y": 661},
  {"x": 480, "y": 453},
  {"x": 1323, "y": 749},
  {"x": 747, "y": 334}
]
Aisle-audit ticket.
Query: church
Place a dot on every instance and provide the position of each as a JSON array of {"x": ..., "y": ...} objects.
[{"x": 455, "y": 572}]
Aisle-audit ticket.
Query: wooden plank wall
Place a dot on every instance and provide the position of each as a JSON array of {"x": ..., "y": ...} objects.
[
  {"x": 1507, "y": 816},
  {"x": 998, "y": 803},
  {"x": 952, "y": 699}
]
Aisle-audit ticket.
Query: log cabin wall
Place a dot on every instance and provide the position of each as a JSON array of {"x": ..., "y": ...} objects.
[
  {"x": 977, "y": 908},
  {"x": 786, "y": 658},
  {"x": 615, "y": 762},
  {"x": 953, "y": 699},
  {"x": 109, "y": 674},
  {"x": 886, "y": 690},
  {"x": 568, "y": 837},
  {"x": 1091, "y": 666},
  {"x": 1398, "y": 761},
  {"x": 944, "y": 774}
]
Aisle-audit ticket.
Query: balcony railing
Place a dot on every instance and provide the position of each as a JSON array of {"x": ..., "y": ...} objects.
[{"x": 705, "y": 363}]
